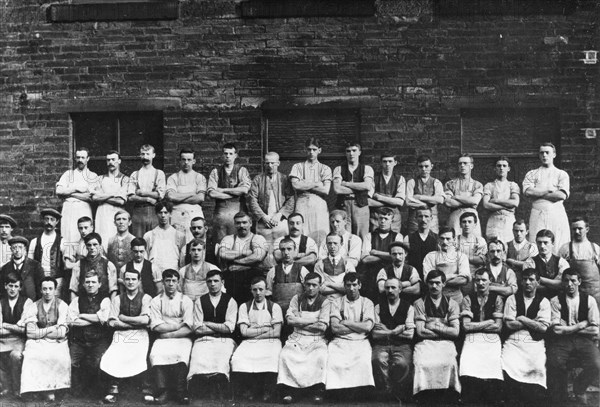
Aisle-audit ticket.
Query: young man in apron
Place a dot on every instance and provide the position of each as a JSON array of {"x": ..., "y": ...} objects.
[
  {"x": 520, "y": 251},
  {"x": 501, "y": 198},
  {"x": 351, "y": 249},
  {"x": 474, "y": 247},
  {"x": 304, "y": 357},
  {"x": 150, "y": 278},
  {"x": 481, "y": 357},
  {"x": 389, "y": 191},
  {"x": 503, "y": 280},
  {"x": 186, "y": 189},
  {"x": 333, "y": 268},
  {"x": 422, "y": 241},
  {"x": 193, "y": 275},
  {"x": 255, "y": 362},
  {"x": 392, "y": 339},
  {"x": 583, "y": 256},
  {"x": 575, "y": 325},
  {"x": 285, "y": 279},
  {"x": 129, "y": 316},
  {"x": 549, "y": 266},
  {"x": 423, "y": 192},
  {"x": 438, "y": 326},
  {"x": 526, "y": 317},
  {"x": 119, "y": 245}
]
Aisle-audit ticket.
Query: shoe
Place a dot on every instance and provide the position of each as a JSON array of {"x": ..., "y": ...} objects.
[
  {"x": 110, "y": 399},
  {"x": 50, "y": 397},
  {"x": 318, "y": 399},
  {"x": 288, "y": 399},
  {"x": 149, "y": 399}
]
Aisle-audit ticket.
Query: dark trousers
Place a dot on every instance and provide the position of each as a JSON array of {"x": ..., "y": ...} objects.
[
  {"x": 237, "y": 283},
  {"x": 523, "y": 393},
  {"x": 316, "y": 390},
  {"x": 579, "y": 349},
  {"x": 391, "y": 368},
  {"x": 170, "y": 377},
  {"x": 475, "y": 390},
  {"x": 85, "y": 363},
  {"x": 257, "y": 384},
  {"x": 10, "y": 370}
]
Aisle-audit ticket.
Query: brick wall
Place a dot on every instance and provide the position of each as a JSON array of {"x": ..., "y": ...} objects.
[{"x": 409, "y": 70}]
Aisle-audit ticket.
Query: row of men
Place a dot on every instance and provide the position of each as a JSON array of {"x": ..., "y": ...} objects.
[
  {"x": 244, "y": 254},
  {"x": 272, "y": 196},
  {"x": 195, "y": 340}
]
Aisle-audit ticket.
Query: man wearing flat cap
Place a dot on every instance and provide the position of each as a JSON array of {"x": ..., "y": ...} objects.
[
  {"x": 29, "y": 270},
  {"x": 48, "y": 247},
  {"x": 7, "y": 224},
  {"x": 408, "y": 276}
]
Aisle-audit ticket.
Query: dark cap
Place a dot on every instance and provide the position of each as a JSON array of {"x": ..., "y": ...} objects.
[
  {"x": 18, "y": 239},
  {"x": 51, "y": 212},
  {"x": 9, "y": 219},
  {"x": 403, "y": 245}
]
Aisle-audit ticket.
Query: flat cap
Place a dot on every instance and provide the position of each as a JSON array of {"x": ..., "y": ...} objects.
[
  {"x": 9, "y": 219},
  {"x": 18, "y": 239},
  {"x": 51, "y": 212},
  {"x": 403, "y": 245}
]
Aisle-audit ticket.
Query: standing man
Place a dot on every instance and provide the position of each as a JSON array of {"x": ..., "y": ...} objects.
[
  {"x": 228, "y": 186},
  {"x": 390, "y": 191},
  {"x": 481, "y": 356},
  {"x": 463, "y": 194},
  {"x": 503, "y": 280},
  {"x": 575, "y": 323},
  {"x": 307, "y": 249},
  {"x": 548, "y": 187},
  {"x": 271, "y": 201},
  {"x": 215, "y": 315},
  {"x": 75, "y": 187},
  {"x": 256, "y": 360},
  {"x": 583, "y": 256},
  {"x": 194, "y": 274},
  {"x": 164, "y": 241},
  {"x": 527, "y": 317},
  {"x": 422, "y": 241},
  {"x": 423, "y": 192},
  {"x": 303, "y": 359},
  {"x": 186, "y": 190},
  {"x": 474, "y": 247},
  {"x": 146, "y": 187},
  {"x": 353, "y": 184},
  {"x": 352, "y": 244},
  {"x": 119, "y": 245},
  {"x": 392, "y": 339},
  {"x": 47, "y": 248},
  {"x": 88, "y": 314},
  {"x": 172, "y": 319},
  {"x": 520, "y": 251},
  {"x": 501, "y": 198},
  {"x": 349, "y": 352},
  {"x": 30, "y": 271},
  {"x": 452, "y": 263},
  {"x": 7, "y": 224},
  {"x": 438, "y": 326},
  {"x": 110, "y": 195},
  {"x": 150, "y": 278},
  {"x": 548, "y": 265},
  {"x": 128, "y": 351},
  {"x": 242, "y": 255},
  {"x": 107, "y": 273},
  {"x": 12, "y": 335}
]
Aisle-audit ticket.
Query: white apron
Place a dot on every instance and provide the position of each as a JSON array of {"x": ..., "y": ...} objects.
[
  {"x": 127, "y": 354},
  {"x": 170, "y": 351},
  {"x": 316, "y": 216},
  {"x": 479, "y": 347},
  {"x": 165, "y": 252},
  {"x": 257, "y": 355},
  {"x": 211, "y": 355},
  {"x": 72, "y": 210},
  {"x": 524, "y": 359},
  {"x": 182, "y": 215},
  {"x": 46, "y": 366},
  {"x": 339, "y": 279},
  {"x": 349, "y": 364},
  {"x": 435, "y": 366},
  {"x": 500, "y": 224},
  {"x": 303, "y": 359},
  {"x": 552, "y": 216}
]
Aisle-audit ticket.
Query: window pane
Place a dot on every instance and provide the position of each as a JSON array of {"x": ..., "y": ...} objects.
[
  {"x": 137, "y": 129},
  {"x": 97, "y": 131}
]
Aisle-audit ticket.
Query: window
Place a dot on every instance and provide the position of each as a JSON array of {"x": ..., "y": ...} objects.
[
  {"x": 307, "y": 8},
  {"x": 113, "y": 10},
  {"x": 456, "y": 8},
  {"x": 125, "y": 132}
]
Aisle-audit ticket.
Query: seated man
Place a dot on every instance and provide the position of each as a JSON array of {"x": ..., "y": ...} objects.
[
  {"x": 119, "y": 246},
  {"x": 215, "y": 314},
  {"x": 255, "y": 362},
  {"x": 352, "y": 244},
  {"x": 150, "y": 279},
  {"x": 454, "y": 264},
  {"x": 410, "y": 287},
  {"x": 285, "y": 279},
  {"x": 333, "y": 268},
  {"x": 481, "y": 313},
  {"x": 437, "y": 321},
  {"x": 527, "y": 317},
  {"x": 46, "y": 359},
  {"x": 548, "y": 265},
  {"x": 29, "y": 270},
  {"x": 519, "y": 250},
  {"x": 242, "y": 257},
  {"x": 307, "y": 252},
  {"x": 171, "y": 317},
  {"x": 349, "y": 353},
  {"x": 128, "y": 351},
  {"x": 375, "y": 252},
  {"x": 503, "y": 281},
  {"x": 575, "y": 323},
  {"x": 12, "y": 335},
  {"x": 392, "y": 339},
  {"x": 304, "y": 357},
  {"x": 193, "y": 275},
  {"x": 89, "y": 337},
  {"x": 94, "y": 260}
]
